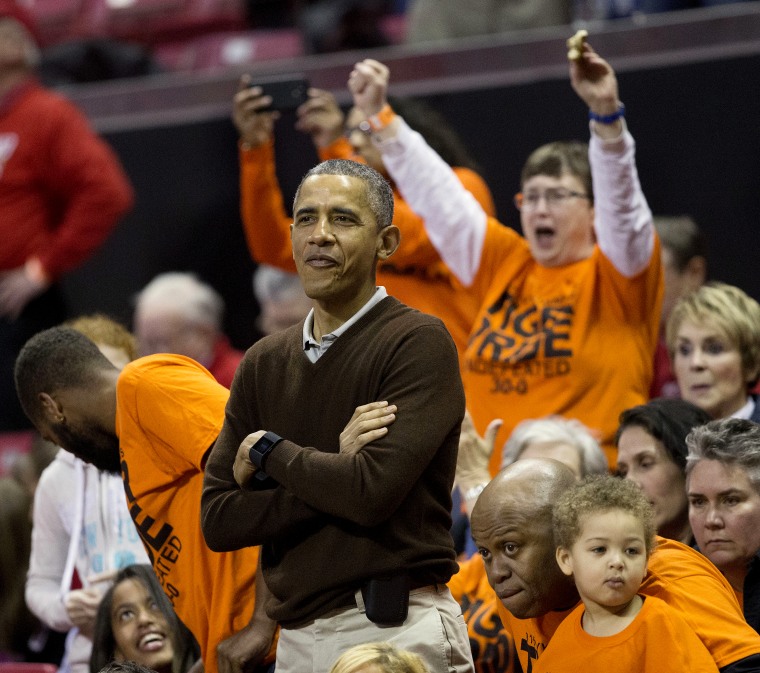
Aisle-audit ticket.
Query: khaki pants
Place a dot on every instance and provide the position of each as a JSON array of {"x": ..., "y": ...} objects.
[{"x": 434, "y": 629}]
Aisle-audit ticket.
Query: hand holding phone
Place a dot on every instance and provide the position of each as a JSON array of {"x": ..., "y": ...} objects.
[{"x": 287, "y": 94}]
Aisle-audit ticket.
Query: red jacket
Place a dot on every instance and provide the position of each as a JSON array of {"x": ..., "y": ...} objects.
[{"x": 62, "y": 188}]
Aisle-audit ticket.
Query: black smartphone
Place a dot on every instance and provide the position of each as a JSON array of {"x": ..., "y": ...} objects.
[{"x": 287, "y": 93}]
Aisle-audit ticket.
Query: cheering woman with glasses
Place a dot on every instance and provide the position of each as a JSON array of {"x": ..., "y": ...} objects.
[{"x": 568, "y": 313}]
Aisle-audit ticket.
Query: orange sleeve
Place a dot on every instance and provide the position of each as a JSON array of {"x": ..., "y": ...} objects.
[
  {"x": 340, "y": 149},
  {"x": 266, "y": 223},
  {"x": 176, "y": 435},
  {"x": 467, "y": 578},
  {"x": 690, "y": 584}
]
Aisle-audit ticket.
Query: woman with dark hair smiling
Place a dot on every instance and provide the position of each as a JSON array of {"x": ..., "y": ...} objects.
[{"x": 136, "y": 622}]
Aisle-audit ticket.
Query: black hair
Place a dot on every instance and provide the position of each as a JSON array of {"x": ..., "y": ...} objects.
[
  {"x": 186, "y": 650},
  {"x": 667, "y": 420},
  {"x": 53, "y": 360}
]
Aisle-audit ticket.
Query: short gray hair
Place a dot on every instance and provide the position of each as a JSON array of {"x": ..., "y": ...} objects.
[
  {"x": 379, "y": 192},
  {"x": 275, "y": 285},
  {"x": 556, "y": 429},
  {"x": 731, "y": 441},
  {"x": 199, "y": 302}
]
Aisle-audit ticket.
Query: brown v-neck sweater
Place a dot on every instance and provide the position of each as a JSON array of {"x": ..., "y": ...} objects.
[{"x": 336, "y": 520}]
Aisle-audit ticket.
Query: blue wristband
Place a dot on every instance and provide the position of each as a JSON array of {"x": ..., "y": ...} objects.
[{"x": 607, "y": 119}]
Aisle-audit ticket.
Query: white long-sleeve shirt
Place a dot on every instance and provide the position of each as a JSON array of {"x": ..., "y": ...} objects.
[
  {"x": 456, "y": 224},
  {"x": 81, "y": 522}
]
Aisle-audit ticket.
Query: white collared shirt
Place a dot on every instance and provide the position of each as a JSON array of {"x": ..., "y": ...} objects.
[
  {"x": 316, "y": 349},
  {"x": 746, "y": 411}
]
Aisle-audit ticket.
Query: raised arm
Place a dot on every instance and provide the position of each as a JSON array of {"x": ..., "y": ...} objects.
[
  {"x": 265, "y": 220},
  {"x": 623, "y": 221},
  {"x": 454, "y": 220}
]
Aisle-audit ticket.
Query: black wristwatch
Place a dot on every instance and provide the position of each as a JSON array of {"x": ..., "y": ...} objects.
[{"x": 261, "y": 450}]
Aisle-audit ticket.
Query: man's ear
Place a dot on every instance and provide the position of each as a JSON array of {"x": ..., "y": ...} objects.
[
  {"x": 565, "y": 561},
  {"x": 51, "y": 408},
  {"x": 388, "y": 239},
  {"x": 292, "y": 252}
]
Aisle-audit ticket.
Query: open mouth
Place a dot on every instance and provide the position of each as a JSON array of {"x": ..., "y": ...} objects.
[
  {"x": 544, "y": 235},
  {"x": 151, "y": 642}
]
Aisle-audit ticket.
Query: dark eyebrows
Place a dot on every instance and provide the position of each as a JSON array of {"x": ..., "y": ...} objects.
[
  {"x": 345, "y": 211},
  {"x": 118, "y": 607},
  {"x": 720, "y": 494},
  {"x": 305, "y": 210},
  {"x": 732, "y": 491},
  {"x": 335, "y": 210}
]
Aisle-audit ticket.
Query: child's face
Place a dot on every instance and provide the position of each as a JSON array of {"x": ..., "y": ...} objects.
[
  {"x": 140, "y": 630},
  {"x": 608, "y": 561}
]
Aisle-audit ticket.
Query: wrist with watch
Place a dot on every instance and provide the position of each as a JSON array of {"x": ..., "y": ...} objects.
[{"x": 260, "y": 450}]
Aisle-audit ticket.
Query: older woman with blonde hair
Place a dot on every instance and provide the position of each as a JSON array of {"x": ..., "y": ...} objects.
[
  {"x": 378, "y": 658},
  {"x": 713, "y": 337}
]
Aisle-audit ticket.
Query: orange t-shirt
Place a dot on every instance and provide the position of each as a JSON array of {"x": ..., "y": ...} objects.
[
  {"x": 492, "y": 648},
  {"x": 415, "y": 274},
  {"x": 169, "y": 411},
  {"x": 688, "y": 583},
  {"x": 658, "y": 640},
  {"x": 542, "y": 341}
]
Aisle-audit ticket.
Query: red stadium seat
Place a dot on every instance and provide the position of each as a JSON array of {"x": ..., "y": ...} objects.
[
  {"x": 225, "y": 49},
  {"x": 25, "y": 667},
  {"x": 12, "y": 446},
  {"x": 127, "y": 19},
  {"x": 55, "y": 19}
]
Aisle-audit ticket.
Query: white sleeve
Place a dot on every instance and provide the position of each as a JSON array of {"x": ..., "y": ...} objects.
[
  {"x": 50, "y": 546},
  {"x": 623, "y": 221},
  {"x": 454, "y": 220}
]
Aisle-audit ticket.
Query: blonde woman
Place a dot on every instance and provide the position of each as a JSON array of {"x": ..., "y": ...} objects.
[
  {"x": 378, "y": 658},
  {"x": 713, "y": 337}
]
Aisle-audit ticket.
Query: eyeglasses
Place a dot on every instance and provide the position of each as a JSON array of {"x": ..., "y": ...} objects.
[
  {"x": 362, "y": 127},
  {"x": 555, "y": 198}
]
